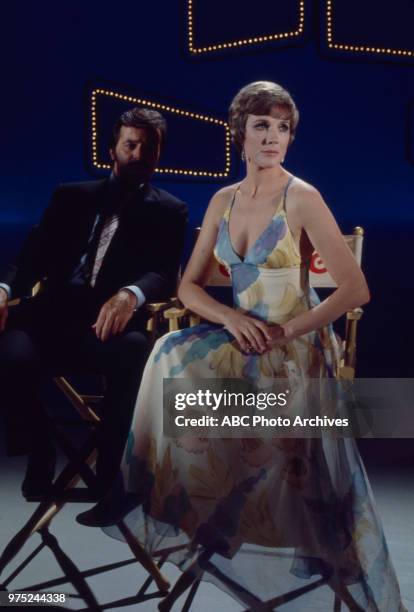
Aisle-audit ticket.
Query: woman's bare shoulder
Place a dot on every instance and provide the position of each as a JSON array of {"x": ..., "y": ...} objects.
[
  {"x": 224, "y": 193},
  {"x": 222, "y": 198},
  {"x": 302, "y": 189},
  {"x": 304, "y": 196}
]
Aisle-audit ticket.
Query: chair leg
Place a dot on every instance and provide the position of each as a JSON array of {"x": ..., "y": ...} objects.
[
  {"x": 80, "y": 463},
  {"x": 41, "y": 516},
  {"x": 144, "y": 558},
  {"x": 191, "y": 596},
  {"x": 70, "y": 570},
  {"x": 342, "y": 594},
  {"x": 185, "y": 581}
]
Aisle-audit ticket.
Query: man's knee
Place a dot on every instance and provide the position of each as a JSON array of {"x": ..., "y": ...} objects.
[
  {"x": 126, "y": 353},
  {"x": 132, "y": 349},
  {"x": 17, "y": 353}
]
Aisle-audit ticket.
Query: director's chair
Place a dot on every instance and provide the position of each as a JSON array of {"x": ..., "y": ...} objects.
[
  {"x": 79, "y": 467},
  {"x": 177, "y": 316}
]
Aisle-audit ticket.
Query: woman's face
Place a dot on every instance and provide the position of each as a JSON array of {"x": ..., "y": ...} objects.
[{"x": 266, "y": 140}]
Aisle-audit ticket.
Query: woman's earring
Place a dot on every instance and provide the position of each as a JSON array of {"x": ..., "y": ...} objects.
[
  {"x": 243, "y": 155},
  {"x": 282, "y": 160}
]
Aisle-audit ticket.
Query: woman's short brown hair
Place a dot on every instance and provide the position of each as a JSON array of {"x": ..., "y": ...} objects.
[{"x": 260, "y": 98}]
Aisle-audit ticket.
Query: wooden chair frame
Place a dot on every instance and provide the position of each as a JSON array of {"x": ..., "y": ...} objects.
[{"x": 80, "y": 464}]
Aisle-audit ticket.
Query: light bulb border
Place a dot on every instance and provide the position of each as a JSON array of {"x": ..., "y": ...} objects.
[
  {"x": 233, "y": 44},
  {"x": 357, "y": 48},
  {"x": 100, "y": 91},
  {"x": 410, "y": 131}
]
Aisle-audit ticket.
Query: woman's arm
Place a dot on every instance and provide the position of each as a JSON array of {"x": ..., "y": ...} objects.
[
  {"x": 191, "y": 291},
  {"x": 247, "y": 331},
  {"x": 323, "y": 232}
]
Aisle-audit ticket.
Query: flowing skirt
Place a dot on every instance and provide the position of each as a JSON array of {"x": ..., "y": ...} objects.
[{"x": 274, "y": 514}]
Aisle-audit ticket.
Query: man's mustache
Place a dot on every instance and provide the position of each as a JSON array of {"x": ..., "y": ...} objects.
[
  {"x": 138, "y": 165},
  {"x": 137, "y": 169}
]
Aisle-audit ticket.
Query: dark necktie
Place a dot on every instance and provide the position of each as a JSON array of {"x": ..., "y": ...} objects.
[
  {"x": 108, "y": 230},
  {"x": 107, "y": 222}
]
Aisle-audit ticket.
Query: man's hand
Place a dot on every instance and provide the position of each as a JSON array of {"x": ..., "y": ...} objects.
[
  {"x": 115, "y": 314},
  {"x": 4, "y": 308}
]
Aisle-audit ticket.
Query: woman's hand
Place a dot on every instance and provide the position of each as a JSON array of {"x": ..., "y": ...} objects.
[
  {"x": 252, "y": 334},
  {"x": 278, "y": 337}
]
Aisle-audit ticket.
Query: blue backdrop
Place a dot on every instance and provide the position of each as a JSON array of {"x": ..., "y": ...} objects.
[{"x": 349, "y": 68}]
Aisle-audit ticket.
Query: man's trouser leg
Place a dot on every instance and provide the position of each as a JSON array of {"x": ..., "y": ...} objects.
[
  {"x": 42, "y": 336},
  {"x": 21, "y": 376},
  {"x": 121, "y": 359}
]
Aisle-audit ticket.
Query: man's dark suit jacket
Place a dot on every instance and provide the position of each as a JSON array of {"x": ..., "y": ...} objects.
[{"x": 145, "y": 250}]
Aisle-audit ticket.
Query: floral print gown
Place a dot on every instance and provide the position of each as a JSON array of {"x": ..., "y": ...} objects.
[{"x": 274, "y": 512}]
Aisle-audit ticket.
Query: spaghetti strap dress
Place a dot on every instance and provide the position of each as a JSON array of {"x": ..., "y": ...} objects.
[{"x": 274, "y": 513}]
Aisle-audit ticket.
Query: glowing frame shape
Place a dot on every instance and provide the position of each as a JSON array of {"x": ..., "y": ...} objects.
[
  {"x": 252, "y": 40},
  {"x": 410, "y": 132},
  {"x": 162, "y": 107},
  {"x": 357, "y": 48}
]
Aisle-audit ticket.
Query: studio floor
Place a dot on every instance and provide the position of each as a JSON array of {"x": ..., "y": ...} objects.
[{"x": 92, "y": 561}]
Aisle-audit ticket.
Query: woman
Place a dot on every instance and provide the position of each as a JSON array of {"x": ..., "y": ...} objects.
[{"x": 258, "y": 516}]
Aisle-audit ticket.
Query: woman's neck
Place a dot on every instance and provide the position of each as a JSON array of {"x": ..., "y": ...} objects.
[{"x": 262, "y": 181}]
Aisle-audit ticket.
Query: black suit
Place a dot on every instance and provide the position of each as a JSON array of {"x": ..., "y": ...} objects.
[
  {"x": 51, "y": 333},
  {"x": 145, "y": 250}
]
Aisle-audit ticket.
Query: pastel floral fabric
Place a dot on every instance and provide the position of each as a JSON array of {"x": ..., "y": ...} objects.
[{"x": 273, "y": 512}]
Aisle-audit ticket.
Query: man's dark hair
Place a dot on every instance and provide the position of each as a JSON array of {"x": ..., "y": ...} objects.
[{"x": 137, "y": 117}]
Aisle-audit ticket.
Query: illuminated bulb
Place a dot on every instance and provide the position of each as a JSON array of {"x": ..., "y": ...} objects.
[{"x": 168, "y": 109}]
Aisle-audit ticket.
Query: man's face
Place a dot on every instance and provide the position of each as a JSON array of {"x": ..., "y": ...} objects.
[{"x": 136, "y": 154}]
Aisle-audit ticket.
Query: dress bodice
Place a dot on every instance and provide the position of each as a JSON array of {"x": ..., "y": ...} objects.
[{"x": 269, "y": 281}]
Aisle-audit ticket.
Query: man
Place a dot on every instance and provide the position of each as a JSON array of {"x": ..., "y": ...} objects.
[{"x": 102, "y": 249}]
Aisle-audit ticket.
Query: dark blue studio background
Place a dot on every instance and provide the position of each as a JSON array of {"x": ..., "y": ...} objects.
[{"x": 354, "y": 142}]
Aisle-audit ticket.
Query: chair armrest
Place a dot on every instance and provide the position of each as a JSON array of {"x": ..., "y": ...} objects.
[
  {"x": 173, "y": 316},
  {"x": 155, "y": 307},
  {"x": 155, "y": 310},
  {"x": 355, "y": 314},
  {"x": 35, "y": 290},
  {"x": 347, "y": 367}
]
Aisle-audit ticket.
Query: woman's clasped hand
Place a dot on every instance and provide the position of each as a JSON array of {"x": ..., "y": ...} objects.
[{"x": 253, "y": 335}]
